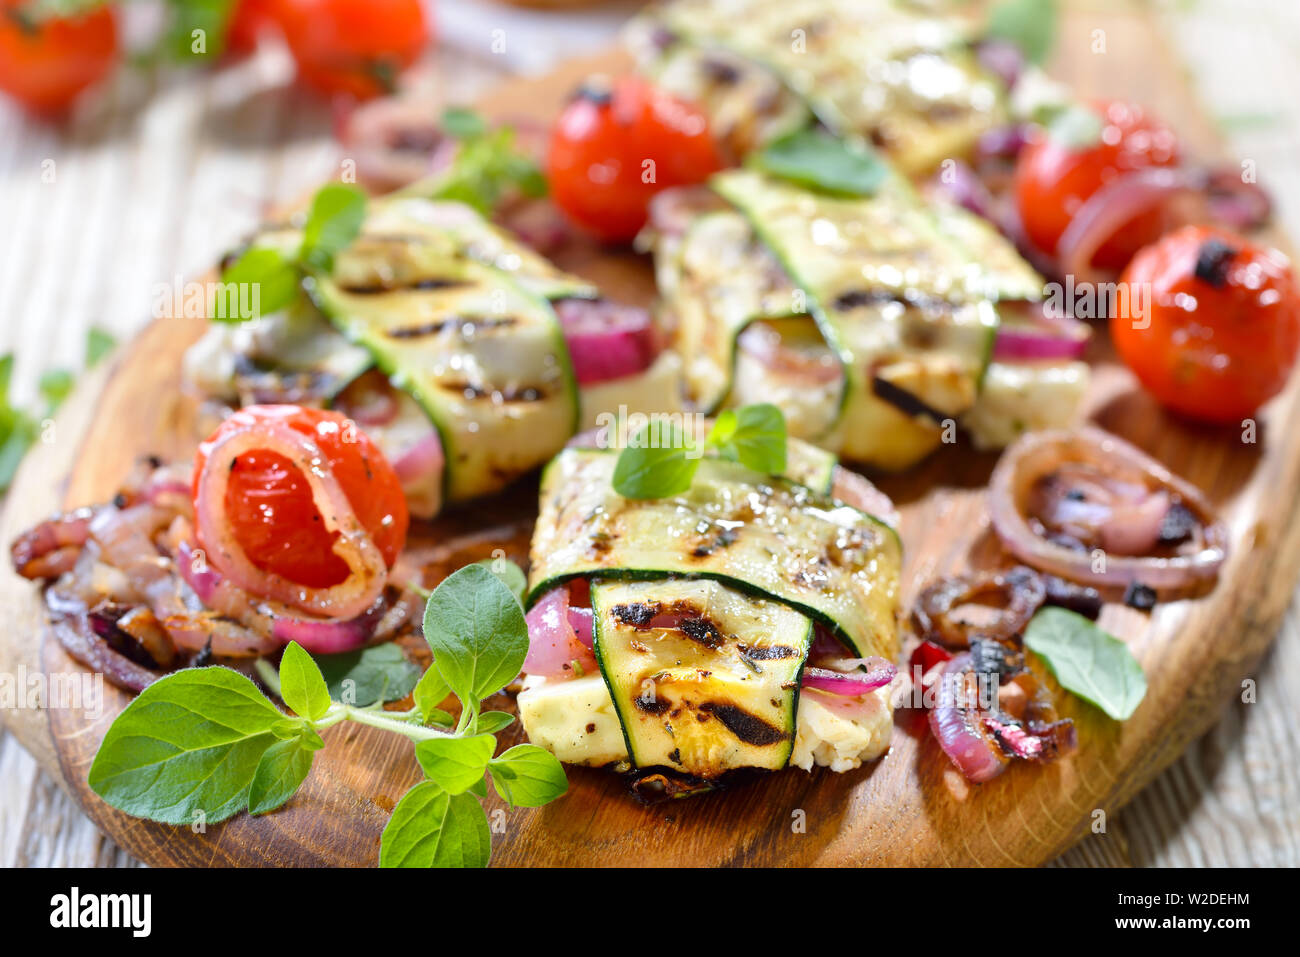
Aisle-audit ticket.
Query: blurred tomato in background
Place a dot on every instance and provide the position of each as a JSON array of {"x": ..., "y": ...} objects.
[
  {"x": 354, "y": 47},
  {"x": 46, "y": 63}
]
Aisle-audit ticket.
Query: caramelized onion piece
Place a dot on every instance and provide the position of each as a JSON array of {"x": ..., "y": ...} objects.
[
  {"x": 1037, "y": 457},
  {"x": 1021, "y": 590}
]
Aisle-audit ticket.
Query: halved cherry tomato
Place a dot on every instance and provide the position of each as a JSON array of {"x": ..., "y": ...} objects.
[
  {"x": 615, "y": 146},
  {"x": 356, "y": 47},
  {"x": 47, "y": 63},
  {"x": 1053, "y": 179},
  {"x": 1224, "y": 323},
  {"x": 270, "y": 506}
]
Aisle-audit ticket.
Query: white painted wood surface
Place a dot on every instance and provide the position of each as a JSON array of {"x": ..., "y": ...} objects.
[{"x": 156, "y": 177}]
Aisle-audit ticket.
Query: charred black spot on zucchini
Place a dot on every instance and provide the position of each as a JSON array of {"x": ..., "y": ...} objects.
[{"x": 685, "y": 695}]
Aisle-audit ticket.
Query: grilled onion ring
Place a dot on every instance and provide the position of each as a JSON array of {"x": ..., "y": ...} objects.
[
  {"x": 1037, "y": 454},
  {"x": 367, "y": 571},
  {"x": 1022, "y": 588}
]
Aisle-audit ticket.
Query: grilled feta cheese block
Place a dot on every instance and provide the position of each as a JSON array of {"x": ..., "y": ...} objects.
[
  {"x": 576, "y": 721},
  {"x": 1020, "y": 397}
]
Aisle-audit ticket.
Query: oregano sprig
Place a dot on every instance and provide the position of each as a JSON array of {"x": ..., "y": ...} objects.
[
  {"x": 203, "y": 744},
  {"x": 661, "y": 461}
]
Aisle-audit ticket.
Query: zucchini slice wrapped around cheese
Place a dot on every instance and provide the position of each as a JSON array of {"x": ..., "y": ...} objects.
[
  {"x": 881, "y": 71},
  {"x": 878, "y": 314},
  {"x": 455, "y": 315},
  {"x": 704, "y": 609}
]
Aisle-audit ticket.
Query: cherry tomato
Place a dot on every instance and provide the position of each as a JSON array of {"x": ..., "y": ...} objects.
[
  {"x": 613, "y": 148},
  {"x": 248, "y": 21},
  {"x": 1054, "y": 178},
  {"x": 356, "y": 47},
  {"x": 270, "y": 506},
  {"x": 46, "y": 63},
  {"x": 1223, "y": 325}
]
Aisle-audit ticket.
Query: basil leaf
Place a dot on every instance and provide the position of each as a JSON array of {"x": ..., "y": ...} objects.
[
  {"x": 528, "y": 776},
  {"x": 756, "y": 438},
  {"x": 511, "y": 575},
  {"x": 98, "y": 345},
  {"x": 190, "y": 743},
  {"x": 431, "y": 828},
  {"x": 1029, "y": 24},
  {"x": 818, "y": 160},
  {"x": 486, "y": 168},
  {"x": 270, "y": 278},
  {"x": 650, "y": 467},
  {"x": 455, "y": 763},
  {"x": 1075, "y": 126},
  {"x": 279, "y": 774},
  {"x": 490, "y": 722},
  {"x": 477, "y": 631},
  {"x": 1094, "y": 665},
  {"x": 337, "y": 212},
  {"x": 462, "y": 123},
  {"x": 302, "y": 687},
  {"x": 55, "y": 385},
  {"x": 367, "y": 675},
  {"x": 430, "y": 692}
]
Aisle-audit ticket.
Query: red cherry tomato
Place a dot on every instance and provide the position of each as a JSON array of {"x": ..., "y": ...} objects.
[
  {"x": 355, "y": 47},
  {"x": 46, "y": 63},
  {"x": 1223, "y": 327},
  {"x": 248, "y": 21},
  {"x": 1053, "y": 179},
  {"x": 613, "y": 149},
  {"x": 270, "y": 506}
]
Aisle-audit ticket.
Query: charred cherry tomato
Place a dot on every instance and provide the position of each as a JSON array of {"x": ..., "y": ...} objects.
[
  {"x": 355, "y": 47},
  {"x": 615, "y": 146},
  {"x": 1223, "y": 325},
  {"x": 46, "y": 63},
  {"x": 1054, "y": 178},
  {"x": 270, "y": 507}
]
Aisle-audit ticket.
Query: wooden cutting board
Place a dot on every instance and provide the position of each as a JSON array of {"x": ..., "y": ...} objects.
[{"x": 909, "y": 808}]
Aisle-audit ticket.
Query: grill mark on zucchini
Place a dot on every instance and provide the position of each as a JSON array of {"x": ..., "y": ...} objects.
[
  {"x": 375, "y": 289},
  {"x": 463, "y": 324},
  {"x": 904, "y": 401},
  {"x": 770, "y": 653},
  {"x": 746, "y": 726}
]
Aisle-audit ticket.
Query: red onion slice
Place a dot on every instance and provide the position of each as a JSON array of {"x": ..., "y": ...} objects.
[
  {"x": 878, "y": 673},
  {"x": 1029, "y": 333},
  {"x": 961, "y": 734},
  {"x": 607, "y": 340},
  {"x": 1111, "y": 208},
  {"x": 853, "y": 489},
  {"x": 329, "y": 637},
  {"x": 1037, "y": 454},
  {"x": 369, "y": 400},
  {"x": 553, "y": 645},
  {"x": 1003, "y": 59},
  {"x": 580, "y": 622},
  {"x": 367, "y": 571},
  {"x": 961, "y": 186}
]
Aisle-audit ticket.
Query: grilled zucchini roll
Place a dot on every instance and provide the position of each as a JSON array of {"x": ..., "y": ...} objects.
[
  {"x": 448, "y": 340},
  {"x": 705, "y": 614},
  {"x": 883, "y": 71},
  {"x": 870, "y": 321}
]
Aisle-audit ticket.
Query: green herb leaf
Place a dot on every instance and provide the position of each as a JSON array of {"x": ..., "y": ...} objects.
[
  {"x": 657, "y": 463},
  {"x": 1074, "y": 126},
  {"x": 462, "y": 123},
  {"x": 431, "y": 828},
  {"x": 263, "y": 279},
  {"x": 55, "y": 386},
  {"x": 477, "y": 631},
  {"x": 189, "y": 744},
  {"x": 1094, "y": 665},
  {"x": 17, "y": 428},
  {"x": 1029, "y": 24},
  {"x": 455, "y": 763},
  {"x": 279, "y": 774},
  {"x": 818, "y": 160},
  {"x": 302, "y": 687},
  {"x": 430, "y": 692},
  {"x": 98, "y": 345},
  {"x": 511, "y": 575},
  {"x": 528, "y": 776},
  {"x": 755, "y": 437},
  {"x": 337, "y": 212},
  {"x": 490, "y": 722},
  {"x": 487, "y": 168},
  {"x": 367, "y": 675}
]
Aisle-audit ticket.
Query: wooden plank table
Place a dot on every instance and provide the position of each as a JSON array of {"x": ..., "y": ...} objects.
[{"x": 151, "y": 183}]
